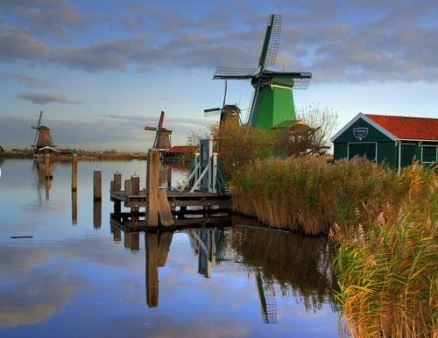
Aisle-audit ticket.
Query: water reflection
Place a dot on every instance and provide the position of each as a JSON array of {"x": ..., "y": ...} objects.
[
  {"x": 282, "y": 264},
  {"x": 43, "y": 179},
  {"x": 74, "y": 207},
  {"x": 157, "y": 247},
  {"x": 80, "y": 279},
  {"x": 300, "y": 265}
]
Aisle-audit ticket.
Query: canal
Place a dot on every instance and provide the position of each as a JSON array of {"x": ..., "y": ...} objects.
[{"x": 64, "y": 274}]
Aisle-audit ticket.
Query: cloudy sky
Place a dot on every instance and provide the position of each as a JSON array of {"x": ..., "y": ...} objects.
[{"x": 101, "y": 70}]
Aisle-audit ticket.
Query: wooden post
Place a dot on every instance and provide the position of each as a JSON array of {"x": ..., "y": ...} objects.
[
  {"x": 157, "y": 205},
  {"x": 135, "y": 186},
  {"x": 74, "y": 207},
  {"x": 48, "y": 173},
  {"x": 169, "y": 177},
  {"x": 74, "y": 173},
  {"x": 97, "y": 185},
  {"x": 128, "y": 188},
  {"x": 152, "y": 182},
  {"x": 117, "y": 185},
  {"x": 97, "y": 214}
]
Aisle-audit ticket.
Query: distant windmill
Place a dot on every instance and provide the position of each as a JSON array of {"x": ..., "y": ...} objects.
[
  {"x": 228, "y": 113},
  {"x": 163, "y": 136},
  {"x": 42, "y": 140},
  {"x": 272, "y": 102}
]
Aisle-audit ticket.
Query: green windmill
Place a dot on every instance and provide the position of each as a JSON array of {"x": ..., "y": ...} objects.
[{"x": 272, "y": 104}]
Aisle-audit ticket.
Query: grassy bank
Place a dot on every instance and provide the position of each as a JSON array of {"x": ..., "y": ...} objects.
[
  {"x": 384, "y": 226},
  {"x": 310, "y": 196}
]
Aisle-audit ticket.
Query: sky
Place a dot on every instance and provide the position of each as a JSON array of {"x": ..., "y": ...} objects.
[{"x": 102, "y": 70}]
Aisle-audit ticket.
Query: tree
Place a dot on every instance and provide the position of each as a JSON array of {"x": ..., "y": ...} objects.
[{"x": 322, "y": 121}]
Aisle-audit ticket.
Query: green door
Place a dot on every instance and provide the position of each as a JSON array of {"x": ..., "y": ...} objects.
[
  {"x": 407, "y": 154},
  {"x": 367, "y": 150}
]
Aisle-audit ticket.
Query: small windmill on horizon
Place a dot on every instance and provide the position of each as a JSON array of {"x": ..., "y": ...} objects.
[
  {"x": 163, "y": 136},
  {"x": 272, "y": 103},
  {"x": 42, "y": 140}
]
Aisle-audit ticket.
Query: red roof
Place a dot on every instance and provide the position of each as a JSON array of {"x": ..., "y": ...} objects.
[
  {"x": 182, "y": 149},
  {"x": 408, "y": 128}
]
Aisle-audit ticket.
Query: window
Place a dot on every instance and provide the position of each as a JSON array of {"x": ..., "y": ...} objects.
[{"x": 429, "y": 154}]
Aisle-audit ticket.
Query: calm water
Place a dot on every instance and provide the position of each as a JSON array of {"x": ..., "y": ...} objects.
[{"x": 82, "y": 278}]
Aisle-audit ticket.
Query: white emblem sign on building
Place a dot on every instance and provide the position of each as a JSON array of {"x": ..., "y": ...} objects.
[{"x": 360, "y": 133}]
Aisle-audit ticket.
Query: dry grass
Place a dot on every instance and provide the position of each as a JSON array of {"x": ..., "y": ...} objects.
[
  {"x": 386, "y": 226},
  {"x": 389, "y": 274}
]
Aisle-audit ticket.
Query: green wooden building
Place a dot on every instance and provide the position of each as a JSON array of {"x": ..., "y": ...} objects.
[{"x": 393, "y": 140}]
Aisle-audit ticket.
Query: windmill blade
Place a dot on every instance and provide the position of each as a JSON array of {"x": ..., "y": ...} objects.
[
  {"x": 225, "y": 94},
  {"x": 150, "y": 128},
  {"x": 295, "y": 83},
  {"x": 39, "y": 119},
  {"x": 235, "y": 73},
  {"x": 274, "y": 41},
  {"x": 37, "y": 127},
  {"x": 212, "y": 111},
  {"x": 295, "y": 75},
  {"x": 252, "y": 103},
  {"x": 271, "y": 41},
  {"x": 160, "y": 123}
]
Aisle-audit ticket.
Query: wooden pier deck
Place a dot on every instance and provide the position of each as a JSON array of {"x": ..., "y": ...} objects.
[
  {"x": 176, "y": 199},
  {"x": 128, "y": 222}
]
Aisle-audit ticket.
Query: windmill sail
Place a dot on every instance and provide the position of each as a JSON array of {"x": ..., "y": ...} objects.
[
  {"x": 272, "y": 103},
  {"x": 271, "y": 42}
]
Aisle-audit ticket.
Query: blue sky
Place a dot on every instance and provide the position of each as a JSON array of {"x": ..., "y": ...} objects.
[{"x": 102, "y": 70}]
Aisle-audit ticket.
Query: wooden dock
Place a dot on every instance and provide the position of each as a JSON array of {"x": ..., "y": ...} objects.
[
  {"x": 162, "y": 207},
  {"x": 176, "y": 199},
  {"x": 127, "y": 222}
]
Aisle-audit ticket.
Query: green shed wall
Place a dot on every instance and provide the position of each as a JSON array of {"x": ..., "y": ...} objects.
[{"x": 386, "y": 148}]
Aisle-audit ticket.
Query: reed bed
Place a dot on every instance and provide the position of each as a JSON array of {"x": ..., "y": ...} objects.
[
  {"x": 388, "y": 275},
  {"x": 309, "y": 195},
  {"x": 383, "y": 224}
]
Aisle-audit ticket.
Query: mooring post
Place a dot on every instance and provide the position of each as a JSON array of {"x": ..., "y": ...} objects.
[
  {"x": 157, "y": 205},
  {"x": 135, "y": 191},
  {"x": 97, "y": 185},
  {"x": 74, "y": 172},
  {"x": 116, "y": 187},
  {"x": 152, "y": 182},
  {"x": 48, "y": 173},
  {"x": 169, "y": 178},
  {"x": 74, "y": 207}
]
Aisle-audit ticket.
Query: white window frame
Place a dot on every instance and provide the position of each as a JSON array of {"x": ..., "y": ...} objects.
[
  {"x": 429, "y": 146},
  {"x": 375, "y": 144}
]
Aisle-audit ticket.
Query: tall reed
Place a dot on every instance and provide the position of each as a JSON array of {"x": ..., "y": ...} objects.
[{"x": 388, "y": 275}]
